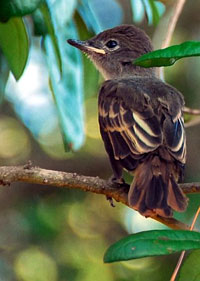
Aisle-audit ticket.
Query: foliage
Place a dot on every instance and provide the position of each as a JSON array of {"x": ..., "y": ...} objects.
[
  {"x": 152, "y": 243},
  {"x": 16, "y": 57},
  {"x": 170, "y": 55},
  {"x": 17, "y": 8},
  {"x": 65, "y": 66},
  {"x": 190, "y": 269},
  {"x": 32, "y": 30}
]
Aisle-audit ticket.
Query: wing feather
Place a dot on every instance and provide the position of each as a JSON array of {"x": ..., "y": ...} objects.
[
  {"x": 129, "y": 132},
  {"x": 136, "y": 127},
  {"x": 175, "y": 138}
]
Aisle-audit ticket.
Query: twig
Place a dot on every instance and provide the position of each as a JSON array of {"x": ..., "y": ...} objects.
[
  {"x": 178, "y": 6},
  {"x": 171, "y": 24},
  {"x": 183, "y": 252},
  {"x": 35, "y": 175},
  {"x": 189, "y": 188},
  {"x": 191, "y": 111},
  {"x": 193, "y": 122}
]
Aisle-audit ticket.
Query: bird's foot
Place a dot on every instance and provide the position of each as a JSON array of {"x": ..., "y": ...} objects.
[
  {"x": 120, "y": 182},
  {"x": 110, "y": 200}
]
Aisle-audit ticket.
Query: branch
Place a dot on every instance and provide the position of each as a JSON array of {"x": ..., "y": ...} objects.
[
  {"x": 193, "y": 122},
  {"x": 167, "y": 27},
  {"x": 192, "y": 111},
  {"x": 178, "y": 6},
  {"x": 36, "y": 175}
]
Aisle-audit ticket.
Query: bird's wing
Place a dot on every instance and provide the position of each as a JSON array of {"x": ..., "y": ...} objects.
[
  {"x": 130, "y": 131},
  {"x": 133, "y": 127},
  {"x": 174, "y": 137}
]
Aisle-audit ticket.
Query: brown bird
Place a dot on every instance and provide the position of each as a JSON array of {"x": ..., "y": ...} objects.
[{"x": 140, "y": 120}]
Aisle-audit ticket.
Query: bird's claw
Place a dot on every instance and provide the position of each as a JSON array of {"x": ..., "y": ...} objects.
[
  {"x": 120, "y": 182},
  {"x": 110, "y": 200}
]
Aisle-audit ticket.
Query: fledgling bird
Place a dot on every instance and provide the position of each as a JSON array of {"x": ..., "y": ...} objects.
[{"x": 140, "y": 120}]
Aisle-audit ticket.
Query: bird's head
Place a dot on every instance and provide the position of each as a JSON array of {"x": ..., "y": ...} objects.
[{"x": 114, "y": 50}]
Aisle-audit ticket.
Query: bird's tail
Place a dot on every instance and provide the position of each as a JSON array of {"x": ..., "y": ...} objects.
[{"x": 154, "y": 189}]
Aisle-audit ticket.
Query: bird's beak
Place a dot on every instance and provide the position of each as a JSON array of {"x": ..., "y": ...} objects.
[{"x": 85, "y": 47}]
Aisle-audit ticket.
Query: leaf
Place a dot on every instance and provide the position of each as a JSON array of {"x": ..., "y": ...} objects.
[
  {"x": 155, "y": 12},
  {"x": 100, "y": 15},
  {"x": 17, "y": 8},
  {"x": 14, "y": 44},
  {"x": 107, "y": 13},
  {"x": 168, "y": 56},
  {"x": 91, "y": 75},
  {"x": 64, "y": 9},
  {"x": 153, "y": 9},
  {"x": 137, "y": 10},
  {"x": 45, "y": 10},
  {"x": 4, "y": 73},
  {"x": 68, "y": 88},
  {"x": 152, "y": 243},
  {"x": 40, "y": 28},
  {"x": 190, "y": 270}
]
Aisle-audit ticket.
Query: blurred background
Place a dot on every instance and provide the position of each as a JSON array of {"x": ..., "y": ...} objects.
[{"x": 52, "y": 234}]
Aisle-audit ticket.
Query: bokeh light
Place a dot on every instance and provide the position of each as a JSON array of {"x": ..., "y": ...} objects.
[
  {"x": 34, "y": 264},
  {"x": 15, "y": 145}
]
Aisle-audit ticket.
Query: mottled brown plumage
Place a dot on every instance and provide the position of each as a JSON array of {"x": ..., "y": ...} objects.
[{"x": 140, "y": 120}]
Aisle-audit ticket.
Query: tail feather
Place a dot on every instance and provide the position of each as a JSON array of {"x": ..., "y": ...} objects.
[
  {"x": 176, "y": 199},
  {"x": 135, "y": 196},
  {"x": 154, "y": 189},
  {"x": 155, "y": 195}
]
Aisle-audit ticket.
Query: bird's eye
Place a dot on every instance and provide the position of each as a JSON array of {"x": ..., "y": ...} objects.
[{"x": 111, "y": 44}]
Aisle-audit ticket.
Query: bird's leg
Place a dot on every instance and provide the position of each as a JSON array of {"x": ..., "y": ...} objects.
[
  {"x": 117, "y": 171},
  {"x": 110, "y": 200},
  {"x": 117, "y": 178},
  {"x": 120, "y": 182}
]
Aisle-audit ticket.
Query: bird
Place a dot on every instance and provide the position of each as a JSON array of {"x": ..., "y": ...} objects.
[{"x": 141, "y": 121}]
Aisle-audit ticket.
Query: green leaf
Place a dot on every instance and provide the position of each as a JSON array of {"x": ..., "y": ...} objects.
[
  {"x": 155, "y": 12},
  {"x": 190, "y": 270},
  {"x": 100, "y": 15},
  {"x": 137, "y": 10},
  {"x": 91, "y": 75},
  {"x": 168, "y": 56},
  {"x": 40, "y": 28},
  {"x": 67, "y": 89},
  {"x": 152, "y": 243},
  {"x": 14, "y": 45},
  {"x": 151, "y": 11},
  {"x": 4, "y": 73},
  {"x": 48, "y": 19},
  {"x": 17, "y": 8},
  {"x": 91, "y": 78}
]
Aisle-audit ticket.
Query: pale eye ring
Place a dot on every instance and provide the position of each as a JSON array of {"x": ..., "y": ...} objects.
[{"x": 111, "y": 44}]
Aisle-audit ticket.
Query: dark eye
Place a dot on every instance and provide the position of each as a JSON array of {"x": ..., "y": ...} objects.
[{"x": 111, "y": 44}]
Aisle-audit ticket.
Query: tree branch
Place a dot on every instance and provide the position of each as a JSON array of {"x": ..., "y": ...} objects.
[
  {"x": 195, "y": 121},
  {"x": 166, "y": 29},
  {"x": 191, "y": 111},
  {"x": 178, "y": 6},
  {"x": 36, "y": 175}
]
